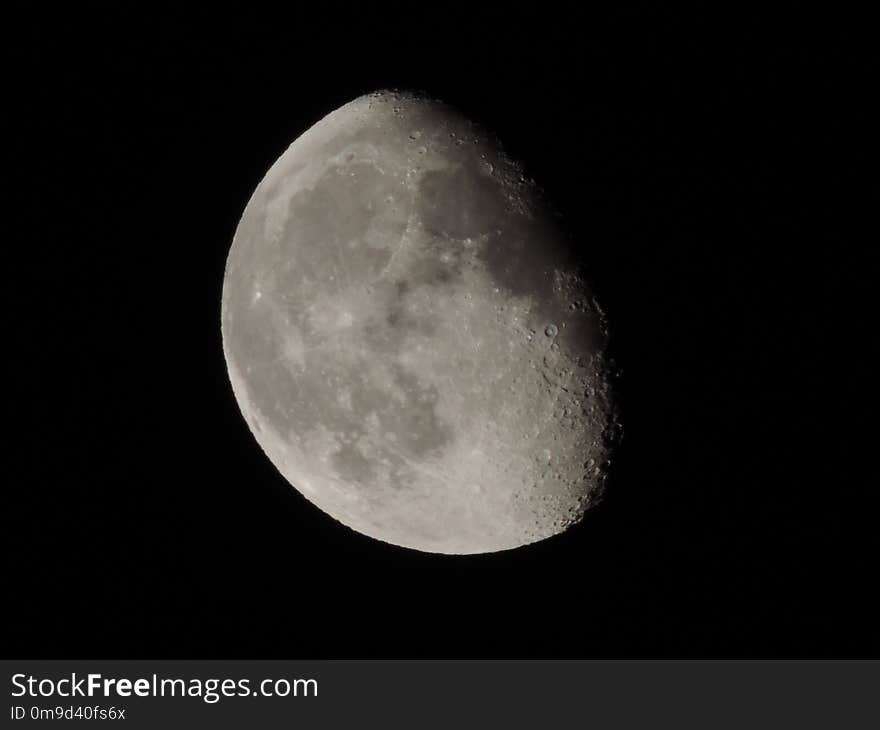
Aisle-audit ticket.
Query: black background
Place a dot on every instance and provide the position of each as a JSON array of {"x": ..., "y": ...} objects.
[{"x": 719, "y": 174}]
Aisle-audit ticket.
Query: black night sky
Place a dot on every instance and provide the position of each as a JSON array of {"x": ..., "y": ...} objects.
[{"x": 719, "y": 175}]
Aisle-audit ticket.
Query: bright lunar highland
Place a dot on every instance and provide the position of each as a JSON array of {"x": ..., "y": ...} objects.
[{"x": 409, "y": 337}]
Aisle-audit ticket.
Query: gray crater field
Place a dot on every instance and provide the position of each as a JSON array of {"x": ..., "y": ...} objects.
[{"x": 408, "y": 337}]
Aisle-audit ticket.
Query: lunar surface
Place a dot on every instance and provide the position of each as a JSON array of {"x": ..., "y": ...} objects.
[{"x": 409, "y": 337}]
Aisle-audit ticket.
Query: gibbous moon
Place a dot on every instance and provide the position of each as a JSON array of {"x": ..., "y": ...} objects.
[{"x": 409, "y": 337}]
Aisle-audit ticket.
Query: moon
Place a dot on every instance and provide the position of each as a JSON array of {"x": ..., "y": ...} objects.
[{"x": 410, "y": 337}]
